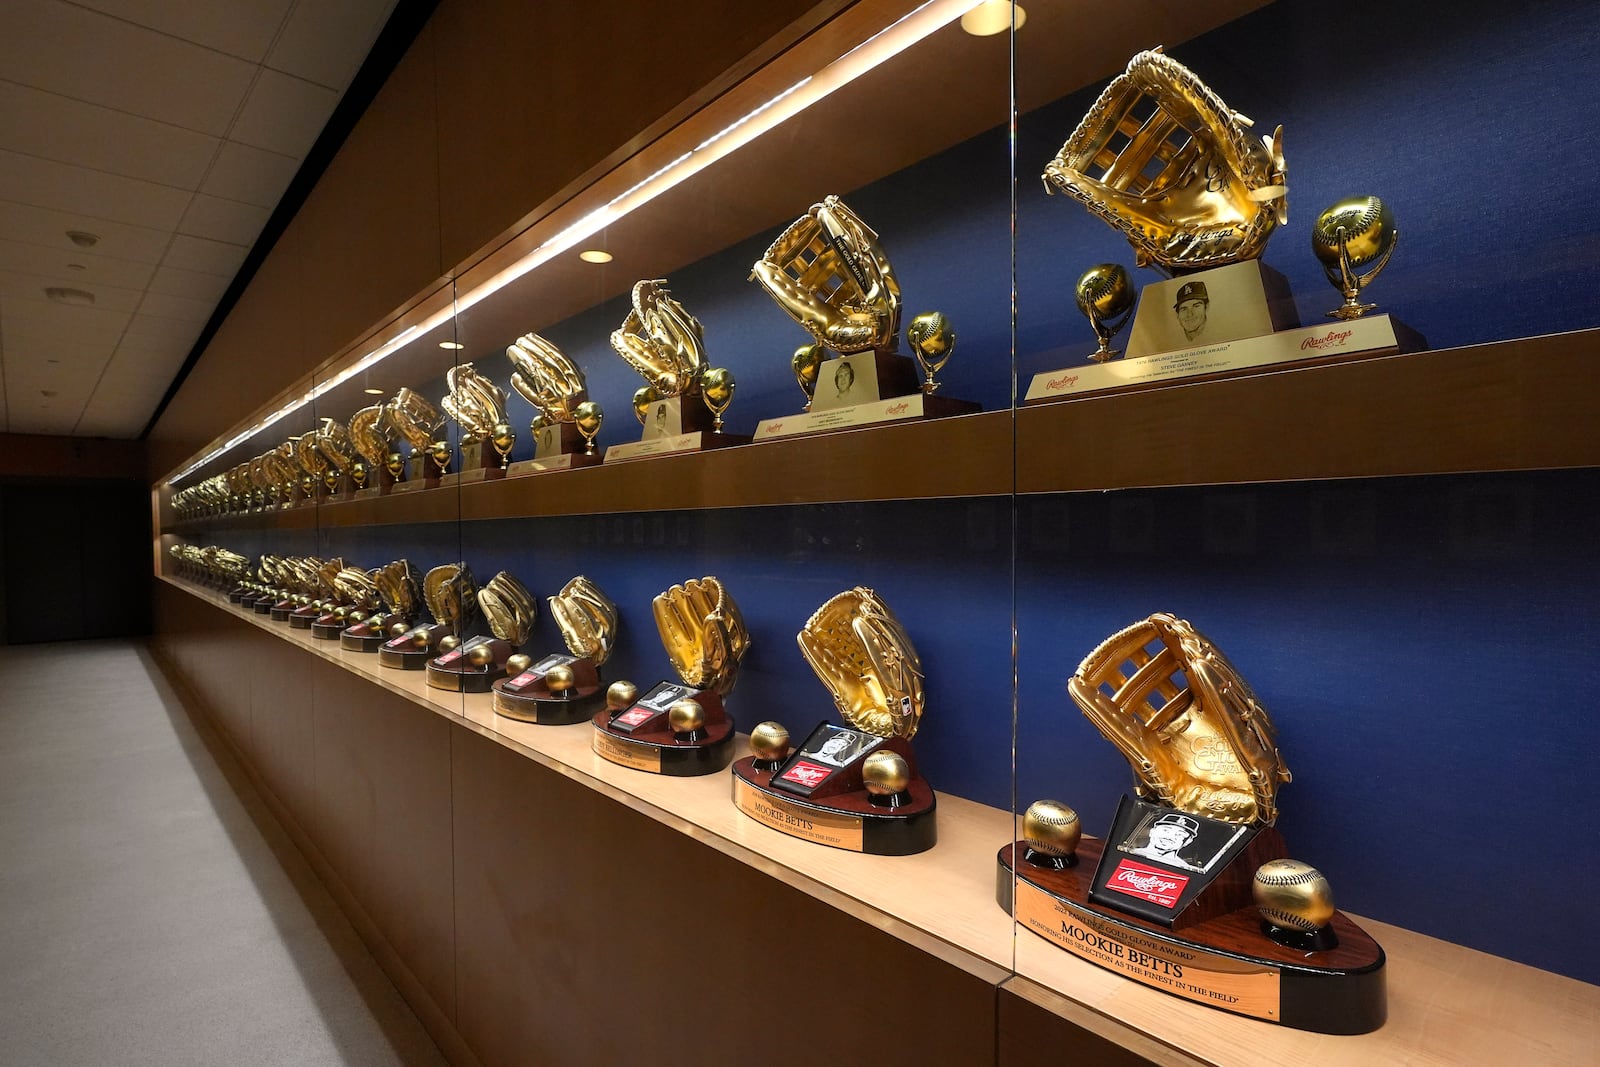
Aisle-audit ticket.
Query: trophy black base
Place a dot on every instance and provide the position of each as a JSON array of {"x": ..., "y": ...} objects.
[
  {"x": 1226, "y": 962},
  {"x": 237, "y": 596},
  {"x": 453, "y": 671},
  {"x": 528, "y": 699},
  {"x": 361, "y": 638},
  {"x": 278, "y": 614},
  {"x": 642, "y": 738},
  {"x": 327, "y": 631},
  {"x": 402, "y": 653},
  {"x": 850, "y": 818},
  {"x": 303, "y": 619}
]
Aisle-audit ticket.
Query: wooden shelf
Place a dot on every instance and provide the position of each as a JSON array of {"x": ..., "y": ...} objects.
[
  {"x": 1506, "y": 406},
  {"x": 1447, "y": 1004}
]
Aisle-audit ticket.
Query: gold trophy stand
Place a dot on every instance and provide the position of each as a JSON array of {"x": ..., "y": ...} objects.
[
  {"x": 842, "y": 813},
  {"x": 280, "y": 611},
  {"x": 696, "y": 434},
  {"x": 455, "y": 671},
  {"x": 900, "y": 399},
  {"x": 404, "y": 653},
  {"x": 1217, "y": 952},
  {"x": 528, "y": 698},
  {"x": 656, "y": 748},
  {"x": 328, "y": 626},
  {"x": 369, "y": 636},
  {"x": 479, "y": 463},
  {"x": 570, "y": 452}
]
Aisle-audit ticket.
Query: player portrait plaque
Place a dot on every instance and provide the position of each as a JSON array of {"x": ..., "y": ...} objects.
[
  {"x": 1191, "y": 891},
  {"x": 853, "y": 785}
]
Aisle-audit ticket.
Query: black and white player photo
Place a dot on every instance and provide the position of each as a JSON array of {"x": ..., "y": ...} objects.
[
  {"x": 1193, "y": 306},
  {"x": 1179, "y": 840},
  {"x": 841, "y": 746},
  {"x": 665, "y": 695},
  {"x": 845, "y": 381}
]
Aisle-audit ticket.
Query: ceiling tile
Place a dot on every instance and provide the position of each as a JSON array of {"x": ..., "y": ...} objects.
[
  {"x": 24, "y": 293},
  {"x": 243, "y": 28},
  {"x": 177, "y": 307},
  {"x": 29, "y": 362},
  {"x": 223, "y": 220},
  {"x": 88, "y": 56},
  {"x": 112, "y": 426},
  {"x": 284, "y": 114},
  {"x": 48, "y": 228},
  {"x": 209, "y": 257},
  {"x": 157, "y": 330},
  {"x": 252, "y": 175},
  {"x": 54, "y": 263},
  {"x": 42, "y": 320},
  {"x": 192, "y": 284},
  {"x": 326, "y": 43},
  {"x": 43, "y": 183},
  {"x": 38, "y": 123},
  {"x": 43, "y": 420}
]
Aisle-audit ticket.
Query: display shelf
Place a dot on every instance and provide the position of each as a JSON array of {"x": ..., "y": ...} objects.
[
  {"x": 1511, "y": 405},
  {"x": 1527, "y": 401},
  {"x": 1447, "y": 1004}
]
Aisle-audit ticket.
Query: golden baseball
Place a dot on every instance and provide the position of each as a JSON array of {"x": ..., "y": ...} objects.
[
  {"x": 621, "y": 695},
  {"x": 480, "y": 656},
  {"x": 886, "y": 773},
  {"x": 559, "y": 679},
  {"x": 518, "y": 663},
  {"x": 1293, "y": 895},
  {"x": 769, "y": 741},
  {"x": 1051, "y": 828},
  {"x": 686, "y": 716}
]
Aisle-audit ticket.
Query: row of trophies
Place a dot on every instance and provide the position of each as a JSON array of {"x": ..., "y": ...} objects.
[
  {"x": 854, "y": 785},
  {"x": 1191, "y": 891},
  {"x": 826, "y": 270}
]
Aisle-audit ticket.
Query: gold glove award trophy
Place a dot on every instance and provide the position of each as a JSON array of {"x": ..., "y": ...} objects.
[
  {"x": 357, "y": 597},
  {"x": 452, "y": 599},
  {"x": 479, "y": 408},
  {"x": 475, "y": 666},
  {"x": 372, "y": 472},
  {"x": 399, "y": 592},
  {"x": 856, "y": 786},
  {"x": 557, "y": 389},
  {"x": 829, "y": 273},
  {"x": 1191, "y": 892},
  {"x": 267, "y": 584},
  {"x": 561, "y": 689},
  {"x": 682, "y": 405},
  {"x": 419, "y": 423},
  {"x": 321, "y": 594},
  {"x": 681, "y": 730},
  {"x": 299, "y": 576},
  {"x": 1161, "y": 158},
  {"x": 335, "y": 446}
]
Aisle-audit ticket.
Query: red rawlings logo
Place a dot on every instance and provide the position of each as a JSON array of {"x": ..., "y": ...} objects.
[
  {"x": 1147, "y": 883},
  {"x": 895, "y": 409},
  {"x": 1332, "y": 339},
  {"x": 806, "y": 774},
  {"x": 1066, "y": 381}
]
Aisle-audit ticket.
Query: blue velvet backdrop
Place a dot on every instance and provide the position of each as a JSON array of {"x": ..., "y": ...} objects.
[{"x": 1424, "y": 644}]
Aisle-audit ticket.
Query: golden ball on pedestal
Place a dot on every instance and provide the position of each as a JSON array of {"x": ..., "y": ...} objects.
[
  {"x": 1051, "y": 828},
  {"x": 886, "y": 773},
  {"x": 1293, "y": 895},
  {"x": 480, "y": 655},
  {"x": 769, "y": 741},
  {"x": 447, "y": 643},
  {"x": 356, "y": 617},
  {"x": 621, "y": 695},
  {"x": 518, "y": 663},
  {"x": 397, "y": 629},
  {"x": 686, "y": 716},
  {"x": 559, "y": 679}
]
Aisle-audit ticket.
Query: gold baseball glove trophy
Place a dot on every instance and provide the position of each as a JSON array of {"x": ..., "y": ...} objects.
[
  {"x": 474, "y": 665},
  {"x": 353, "y": 596},
  {"x": 559, "y": 689},
  {"x": 479, "y": 408},
  {"x": 680, "y": 729},
  {"x": 854, "y": 786},
  {"x": 323, "y": 595},
  {"x": 681, "y": 405},
  {"x": 397, "y": 593},
  {"x": 370, "y": 434},
  {"x": 419, "y": 423},
  {"x": 1191, "y": 891},
  {"x": 548, "y": 379},
  {"x": 830, "y": 274},
  {"x": 452, "y": 598}
]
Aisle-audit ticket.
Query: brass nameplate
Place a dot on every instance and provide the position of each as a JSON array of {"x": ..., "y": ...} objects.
[
  {"x": 796, "y": 820},
  {"x": 656, "y": 446},
  {"x": 1207, "y": 977},
  {"x": 1373, "y": 335},
  {"x": 892, "y": 410},
  {"x": 406, "y": 487},
  {"x": 558, "y": 462},
  {"x": 626, "y": 753}
]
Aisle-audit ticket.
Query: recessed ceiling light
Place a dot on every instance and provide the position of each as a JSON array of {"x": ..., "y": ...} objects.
[
  {"x": 62, "y": 295},
  {"x": 595, "y": 255},
  {"x": 991, "y": 17},
  {"x": 373, "y": 392},
  {"x": 451, "y": 346},
  {"x": 83, "y": 238}
]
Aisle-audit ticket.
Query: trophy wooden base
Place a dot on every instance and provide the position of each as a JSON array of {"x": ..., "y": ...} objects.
[
  {"x": 303, "y": 618},
  {"x": 840, "y": 812},
  {"x": 693, "y": 441},
  {"x": 364, "y": 636},
  {"x": 641, "y": 737},
  {"x": 564, "y": 462},
  {"x": 527, "y": 697},
  {"x": 280, "y": 611},
  {"x": 896, "y": 409},
  {"x": 327, "y": 628},
  {"x": 236, "y": 596},
  {"x": 1226, "y": 962},
  {"x": 403, "y": 654},
  {"x": 453, "y": 671}
]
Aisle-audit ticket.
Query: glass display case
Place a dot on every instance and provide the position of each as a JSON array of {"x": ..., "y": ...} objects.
[{"x": 1388, "y": 539}]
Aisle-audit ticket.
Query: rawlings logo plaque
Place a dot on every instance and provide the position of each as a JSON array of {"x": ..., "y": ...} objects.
[
  {"x": 1147, "y": 883},
  {"x": 806, "y": 773}
]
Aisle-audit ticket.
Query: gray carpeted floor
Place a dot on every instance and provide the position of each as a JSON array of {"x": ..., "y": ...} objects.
[{"x": 145, "y": 916}]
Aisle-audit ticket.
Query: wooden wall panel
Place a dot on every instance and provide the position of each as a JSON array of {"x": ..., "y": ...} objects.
[
  {"x": 589, "y": 933},
  {"x": 370, "y": 228},
  {"x": 281, "y": 700},
  {"x": 531, "y": 96}
]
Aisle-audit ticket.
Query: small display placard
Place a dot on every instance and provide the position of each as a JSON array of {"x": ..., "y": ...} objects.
[
  {"x": 626, "y": 753},
  {"x": 827, "y": 751},
  {"x": 537, "y": 671},
  {"x": 797, "y": 820}
]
